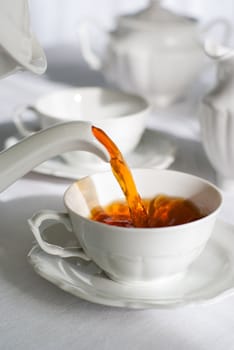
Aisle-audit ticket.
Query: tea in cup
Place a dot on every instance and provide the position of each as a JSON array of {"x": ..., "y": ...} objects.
[{"x": 127, "y": 254}]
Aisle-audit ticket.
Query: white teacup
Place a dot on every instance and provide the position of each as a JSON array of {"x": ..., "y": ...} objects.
[
  {"x": 122, "y": 116},
  {"x": 134, "y": 255}
]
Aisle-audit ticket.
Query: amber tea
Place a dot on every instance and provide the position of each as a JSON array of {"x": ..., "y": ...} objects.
[
  {"x": 137, "y": 212},
  {"x": 161, "y": 211}
]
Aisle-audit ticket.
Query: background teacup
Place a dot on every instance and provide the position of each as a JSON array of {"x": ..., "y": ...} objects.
[
  {"x": 122, "y": 116},
  {"x": 134, "y": 255}
]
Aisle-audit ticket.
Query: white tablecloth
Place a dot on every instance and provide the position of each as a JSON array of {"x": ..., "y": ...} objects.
[{"x": 37, "y": 315}]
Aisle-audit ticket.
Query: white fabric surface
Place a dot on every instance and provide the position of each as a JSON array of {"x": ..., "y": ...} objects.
[{"x": 37, "y": 315}]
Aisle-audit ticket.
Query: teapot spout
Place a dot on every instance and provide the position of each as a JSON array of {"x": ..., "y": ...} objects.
[{"x": 21, "y": 158}]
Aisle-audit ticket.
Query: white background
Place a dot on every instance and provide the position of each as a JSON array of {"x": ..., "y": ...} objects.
[{"x": 56, "y": 21}]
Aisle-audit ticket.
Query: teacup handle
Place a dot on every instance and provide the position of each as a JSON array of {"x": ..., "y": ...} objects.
[
  {"x": 42, "y": 216},
  {"x": 19, "y": 122}
]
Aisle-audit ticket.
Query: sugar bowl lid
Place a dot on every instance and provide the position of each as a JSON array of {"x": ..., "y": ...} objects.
[{"x": 155, "y": 16}]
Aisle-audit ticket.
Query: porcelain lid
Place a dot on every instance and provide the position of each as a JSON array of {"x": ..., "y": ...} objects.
[{"x": 154, "y": 16}]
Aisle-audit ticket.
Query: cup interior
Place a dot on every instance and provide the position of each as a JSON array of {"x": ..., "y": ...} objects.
[
  {"x": 102, "y": 189},
  {"x": 90, "y": 104}
]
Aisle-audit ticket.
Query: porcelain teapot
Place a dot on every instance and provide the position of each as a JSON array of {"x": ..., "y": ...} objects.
[
  {"x": 19, "y": 48},
  {"x": 155, "y": 52},
  {"x": 217, "y": 116}
]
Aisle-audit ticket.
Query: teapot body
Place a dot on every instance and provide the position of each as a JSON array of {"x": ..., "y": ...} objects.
[
  {"x": 19, "y": 48},
  {"x": 153, "y": 66}
]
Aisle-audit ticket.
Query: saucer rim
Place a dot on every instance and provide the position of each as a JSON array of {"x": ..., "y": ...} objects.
[{"x": 106, "y": 299}]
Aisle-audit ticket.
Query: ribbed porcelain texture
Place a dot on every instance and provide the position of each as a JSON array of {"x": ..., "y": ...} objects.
[
  {"x": 155, "y": 78},
  {"x": 217, "y": 129}
]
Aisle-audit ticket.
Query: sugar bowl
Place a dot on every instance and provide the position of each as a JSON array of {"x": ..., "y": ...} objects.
[{"x": 155, "y": 52}]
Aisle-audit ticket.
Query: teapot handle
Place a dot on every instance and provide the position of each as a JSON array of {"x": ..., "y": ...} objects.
[
  {"x": 33, "y": 150},
  {"x": 85, "y": 43},
  {"x": 222, "y": 22}
]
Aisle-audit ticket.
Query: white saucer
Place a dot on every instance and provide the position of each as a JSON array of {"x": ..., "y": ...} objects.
[
  {"x": 209, "y": 279},
  {"x": 153, "y": 151}
]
